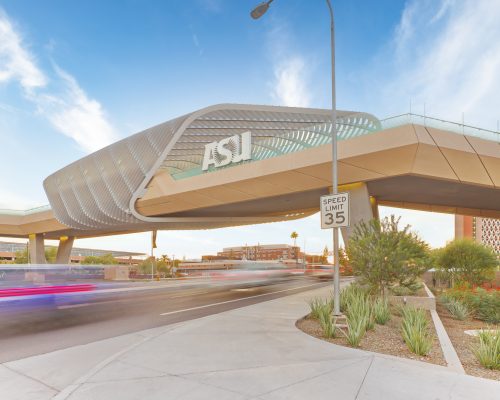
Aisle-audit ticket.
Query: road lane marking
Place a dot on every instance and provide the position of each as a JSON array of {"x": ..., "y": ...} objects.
[
  {"x": 240, "y": 299},
  {"x": 188, "y": 293},
  {"x": 64, "y": 307}
]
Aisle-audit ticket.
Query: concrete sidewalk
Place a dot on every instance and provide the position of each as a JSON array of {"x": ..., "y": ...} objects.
[{"x": 254, "y": 352}]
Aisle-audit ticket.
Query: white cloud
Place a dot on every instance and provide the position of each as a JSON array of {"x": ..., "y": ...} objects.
[
  {"x": 290, "y": 85},
  {"x": 64, "y": 103},
  {"x": 447, "y": 56},
  {"x": 76, "y": 115},
  {"x": 15, "y": 61}
]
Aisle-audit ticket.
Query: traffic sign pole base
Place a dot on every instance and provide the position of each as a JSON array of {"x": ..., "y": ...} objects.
[{"x": 340, "y": 321}]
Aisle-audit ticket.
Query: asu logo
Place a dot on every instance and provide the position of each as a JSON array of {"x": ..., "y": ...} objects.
[{"x": 229, "y": 150}]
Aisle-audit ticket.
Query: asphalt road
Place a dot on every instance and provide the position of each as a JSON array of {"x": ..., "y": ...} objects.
[{"x": 115, "y": 312}]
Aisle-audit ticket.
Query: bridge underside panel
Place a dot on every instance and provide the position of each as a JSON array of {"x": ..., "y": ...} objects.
[
  {"x": 275, "y": 205},
  {"x": 426, "y": 194}
]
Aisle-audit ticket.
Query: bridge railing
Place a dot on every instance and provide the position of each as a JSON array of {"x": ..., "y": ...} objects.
[
  {"x": 6, "y": 211},
  {"x": 437, "y": 123}
]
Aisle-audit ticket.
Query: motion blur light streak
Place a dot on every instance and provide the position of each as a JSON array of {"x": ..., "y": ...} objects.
[{"x": 39, "y": 290}]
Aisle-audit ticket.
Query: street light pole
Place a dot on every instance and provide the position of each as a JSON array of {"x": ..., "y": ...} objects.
[
  {"x": 335, "y": 184},
  {"x": 256, "y": 13}
]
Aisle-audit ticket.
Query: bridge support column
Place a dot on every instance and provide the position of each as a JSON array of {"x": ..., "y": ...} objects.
[
  {"x": 37, "y": 248},
  {"x": 363, "y": 207},
  {"x": 64, "y": 250}
]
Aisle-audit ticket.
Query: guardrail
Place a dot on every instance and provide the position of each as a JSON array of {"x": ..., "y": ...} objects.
[{"x": 437, "y": 123}]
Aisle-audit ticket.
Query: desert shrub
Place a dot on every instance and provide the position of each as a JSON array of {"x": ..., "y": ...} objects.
[
  {"x": 487, "y": 350},
  {"x": 326, "y": 322},
  {"x": 409, "y": 290},
  {"x": 464, "y": 261},
  {"x": 402, "y": 291},
  {"x": 415, "y": 332},
  {"x": 464, "y": 295},
  {"x": 382, "y": 255},
  {"x": 457, "y": 309},
  {"x": 381, "y": 311},
  {"x": 483, "y": 304},
  {"x": 444, "y": 298},
  {"x": 487, "y": 305}
]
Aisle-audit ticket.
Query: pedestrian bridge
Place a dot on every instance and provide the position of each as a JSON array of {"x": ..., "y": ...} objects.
[{"x": 229, "y": 165}]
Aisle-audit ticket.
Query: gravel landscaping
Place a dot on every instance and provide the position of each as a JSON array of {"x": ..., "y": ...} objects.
[
  {"x": 463, "y": 343},
  {"x": 384, "y": 339}
]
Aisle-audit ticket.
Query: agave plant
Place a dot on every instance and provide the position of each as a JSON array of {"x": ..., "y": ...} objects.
[
  {"x": 458, "y": 309},
  {"x": 326, "y": 322},
  {"x": 381, "y": 311},
  {"x": 316, "y": 305},
  {"x": 356, "y": 329},
  {"x": 487, "y": 350},
  {"x": 415, "y": 332}
]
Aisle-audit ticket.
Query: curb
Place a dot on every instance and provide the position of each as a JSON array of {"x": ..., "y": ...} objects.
[{"x": 449, "y": 353}]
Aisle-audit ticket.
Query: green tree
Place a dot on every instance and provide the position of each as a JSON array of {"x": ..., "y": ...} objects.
[
  {"x": 51, "y": 254},
  {"x": 466, "y": 261},
  {"x": 21, "y": 257},
  {"x": 294, "y": 236},
  {"x": 145, "y": 265},
  {"x": 346, "y": 268},
  {"x": 324, "y": 256},
  {"x": 106, "y": 259},
  {"x": 382, "y": 255}
]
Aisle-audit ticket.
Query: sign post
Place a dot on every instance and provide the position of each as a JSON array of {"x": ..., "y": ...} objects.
[
  {"x": 335, "y": 211},
  {"x": 335, "y": 215}
]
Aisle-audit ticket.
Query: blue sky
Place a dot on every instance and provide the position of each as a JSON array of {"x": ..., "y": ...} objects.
[{"x": 77, "y": 75}]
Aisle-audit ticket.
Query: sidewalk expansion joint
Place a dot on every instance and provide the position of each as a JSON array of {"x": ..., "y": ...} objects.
[
  {"x": 364, "y": 377},
  {"x": 29, "y": 377}
]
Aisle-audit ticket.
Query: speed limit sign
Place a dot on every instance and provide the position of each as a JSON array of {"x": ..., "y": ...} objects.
[{"x": 335, "y": 210}]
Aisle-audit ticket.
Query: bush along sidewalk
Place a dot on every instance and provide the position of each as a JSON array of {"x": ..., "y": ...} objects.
[{"x": 415, "y": 330}]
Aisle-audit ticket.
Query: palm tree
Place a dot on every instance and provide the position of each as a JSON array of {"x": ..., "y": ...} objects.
[{"x": 294, "y": 236}]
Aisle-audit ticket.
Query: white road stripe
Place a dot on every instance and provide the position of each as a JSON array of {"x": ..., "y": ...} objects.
[
  {"x": 243, "y": 298},
  {"x": 190, "y": 293},
  {"x": 65, "y": 306}
]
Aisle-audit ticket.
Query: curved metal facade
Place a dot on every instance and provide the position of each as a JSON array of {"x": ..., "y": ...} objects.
[{"x": 98, "y": 192}]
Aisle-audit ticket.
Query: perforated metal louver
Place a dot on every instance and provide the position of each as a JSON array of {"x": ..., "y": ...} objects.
[{"x": 99, "y": 191}]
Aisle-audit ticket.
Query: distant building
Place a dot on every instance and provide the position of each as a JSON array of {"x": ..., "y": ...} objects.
[
  {"x": 261, "y": 252},
  {"x": 482, "y": 230},
  {"x": 8, "y": 252}
]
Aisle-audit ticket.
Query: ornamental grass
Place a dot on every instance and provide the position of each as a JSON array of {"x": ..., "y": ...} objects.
[{"x": 415, "y": 332}]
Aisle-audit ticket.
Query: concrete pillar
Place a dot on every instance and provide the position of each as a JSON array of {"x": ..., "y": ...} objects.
[
  {"x": 37, "y": 248},
  {"x": 362, "y": 207},
  {"x": 64, "y": 249}
]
